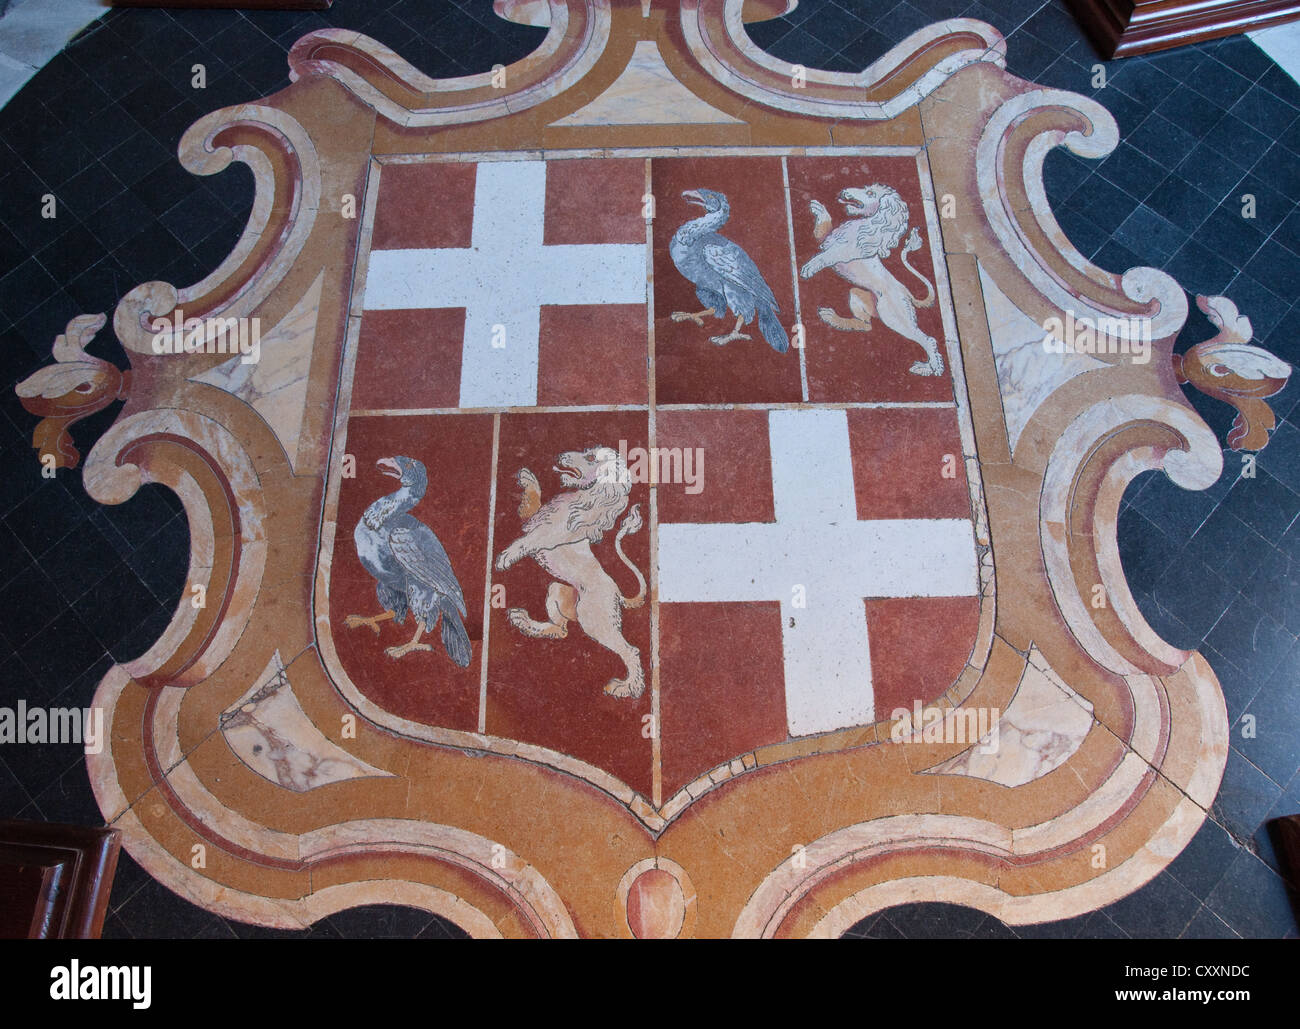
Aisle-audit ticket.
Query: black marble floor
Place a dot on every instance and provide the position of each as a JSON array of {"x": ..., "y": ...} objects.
[{"x": 83, "y": 586}]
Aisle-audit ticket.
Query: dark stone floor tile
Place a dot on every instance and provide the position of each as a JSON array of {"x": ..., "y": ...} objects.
[
  {"x": 1232, "y": 138},
  {"x": 1104, "y": 202},
  {"x": 115, "y": 606},
  {"x": 1028, "y": 56},
  {"x": 154, "y": 912},
  {"x": 1064, "y": 929},
  {"x": 24, "y": 288},
  {"x": 1219, "y": 82},
  {"x": 1161, "y": 908},
  {"x": 1081, "y": 230},
  {"x": 1279, "y": 168},
  {"x": 440, "y": 928},
  {"x": 1162, "y": 140},
  {"x": 1132, "y": 171},
  {"x": 13, "y": 798},
  {"x": 877, "y": 927},
  {"x": 1273, "y": 718},
  {"x": 1262, "y": 306},
  {"x": 45, "y": 515},
  {"x": 60, "y": 652},
  {"x": 1250, "y": 638},
  {"x": 247, "y": 931},
  {"x": 1264, "y": 111},
  {"x": 832, "y": 24},
  {"x": 1144, "y": 82},
  {"x": 70, "y": 799},
  {"x": 1245, "y": 796},
  {"x": 1187, "y": 108},
  {"x": 1282, "y": 85},
  {"x": 29, "y": 603},
  {"x": 1243, "y": 56},
  {"x": 1199, "y": 269},
  {"x": 1264, "y": 503},
  {"x": 127, "y": 880},
  {"x": 1253, "y": 900},
  {"x": 379, "y": 922},
  {"x": 1175, "y": 511},
  {"x": 1239, "y": 550},
  {"x": 1114, "y": 256},
  {"x": 152, "y": 621},
  {"x": 1281, "y": 458},
  {"x": 1144, "y": 549},
  {"x": 1206, "y": 925},
  {"x": 1232, "y": 236},
  {"x": 1208, "y": 172},
  {"x": 936, "y": 921},
  {"x": 115, "y": 928},
  {"x": 1204, "y": 861},
  {"x": 1239, "y": 689},
  {"x": 1101, "y": 926}
]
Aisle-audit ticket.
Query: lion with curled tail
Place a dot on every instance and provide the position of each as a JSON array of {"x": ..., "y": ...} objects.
[
  {"x": 558, "y": 535},
  {"x": 857, "y": 250}
]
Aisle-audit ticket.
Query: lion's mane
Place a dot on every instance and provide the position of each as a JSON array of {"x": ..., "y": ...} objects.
[
  {"x": 589, "y": 511},
  {"x": 880, "y": 233}
]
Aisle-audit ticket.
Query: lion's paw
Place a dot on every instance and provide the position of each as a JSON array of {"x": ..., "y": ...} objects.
[
  {"x": 621, "y": 689},
  {"x": 934, "y": 366}
]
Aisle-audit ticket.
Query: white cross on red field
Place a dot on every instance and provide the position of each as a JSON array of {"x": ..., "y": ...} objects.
[
  {"x": 817, "y": 542},
  {"x": 502, "y": 280}
]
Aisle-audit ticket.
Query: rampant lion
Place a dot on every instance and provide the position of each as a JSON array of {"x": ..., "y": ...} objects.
[
  {"x": 558, "y": 535},
  {"x": 857, "y": 250}
]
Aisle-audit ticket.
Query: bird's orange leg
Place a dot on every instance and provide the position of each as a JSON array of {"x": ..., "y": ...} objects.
[
  {"x": 734, "y": 334},
  {"x": 406, "y": 648},
  {"x": 688, "y": 316},
  {"x": 370, "y": 622}
]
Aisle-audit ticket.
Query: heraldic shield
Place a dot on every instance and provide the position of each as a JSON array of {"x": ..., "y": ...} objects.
[{"x": 672, "y": 494}]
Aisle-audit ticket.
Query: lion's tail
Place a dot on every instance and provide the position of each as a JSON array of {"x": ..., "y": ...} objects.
[
  {"x": 914, "y": 243},
  {"x": 631, "y": 524}
]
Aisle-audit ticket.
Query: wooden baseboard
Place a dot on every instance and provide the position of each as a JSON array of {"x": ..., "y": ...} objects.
[
  {"x": 55, "y": 880},
  {"x": 1122, "y": 28}
]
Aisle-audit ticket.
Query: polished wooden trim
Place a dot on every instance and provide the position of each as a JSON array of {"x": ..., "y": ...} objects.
[
  {"x": 71, "y": 868},
  {"x": 1286, "y": 840},
  {"x": 1122, "y": 28}
]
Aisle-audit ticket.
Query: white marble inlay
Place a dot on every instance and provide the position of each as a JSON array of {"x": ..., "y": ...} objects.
[
  {"x": 275, "y": 386},
  {"x": 647, "y": 93},
  {"x": 817, "y": 552},
  {"x": 33, "y": 31},
  {"x": 269, "y": 731},
  {"x": 1028, "y": 373},
  {"x": 1042, "y": 727},
  {"x": 1282, "y": 43},
  {"x": 502, "y": 280}
]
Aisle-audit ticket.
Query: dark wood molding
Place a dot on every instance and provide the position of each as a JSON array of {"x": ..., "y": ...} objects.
[
  {"x": 55, "y": 880},
  {"x": 1122, "y": 28},
  {"x": 1286, "y": 837}
]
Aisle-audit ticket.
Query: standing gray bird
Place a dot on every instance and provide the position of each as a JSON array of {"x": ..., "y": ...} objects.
[
  {"x": 724, "y": 275},
  {"x": 411, "y": 568}
]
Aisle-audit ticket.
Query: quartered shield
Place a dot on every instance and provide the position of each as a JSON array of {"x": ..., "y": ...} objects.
[{"x": 671, "y": 498}]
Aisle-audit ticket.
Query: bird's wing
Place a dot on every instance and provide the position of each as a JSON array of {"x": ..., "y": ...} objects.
[
  {"x": 418, "y": 551},
  {"x": 712, "y": 299},
  {"x": 736, "y": 267}
]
